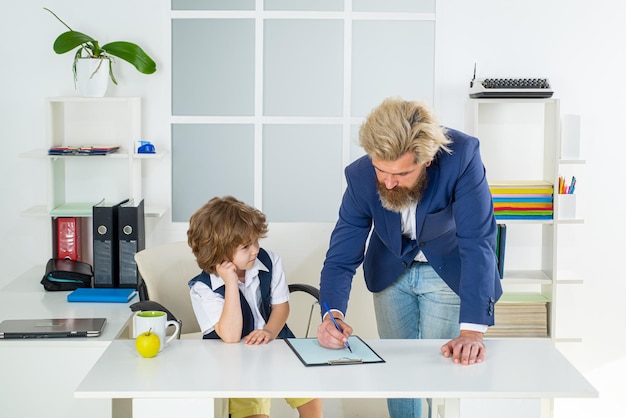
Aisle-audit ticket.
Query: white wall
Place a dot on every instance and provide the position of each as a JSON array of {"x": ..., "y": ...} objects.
[{"x": 577, "y": 44}]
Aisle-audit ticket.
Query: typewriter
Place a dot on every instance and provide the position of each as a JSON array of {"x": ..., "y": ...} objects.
[{"x": 510, "y": 88}]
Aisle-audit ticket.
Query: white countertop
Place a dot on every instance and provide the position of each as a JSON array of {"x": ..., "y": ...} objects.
[
  {"x": 514, "y": 368},
  {"x": 25, "y": 298},
  {"x": 52, "y": 368}
]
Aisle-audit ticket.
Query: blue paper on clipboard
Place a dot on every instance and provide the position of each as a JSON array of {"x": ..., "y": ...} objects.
[{"x": 311, "y": 353}]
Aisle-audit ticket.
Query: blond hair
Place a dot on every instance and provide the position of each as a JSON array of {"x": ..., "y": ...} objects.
[
  {"x": 398, "y": 126},
  {"x": 219, "y": 227}
]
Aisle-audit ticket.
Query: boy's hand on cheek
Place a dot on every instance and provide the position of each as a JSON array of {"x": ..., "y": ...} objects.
[{"x": 227, "y": 271}]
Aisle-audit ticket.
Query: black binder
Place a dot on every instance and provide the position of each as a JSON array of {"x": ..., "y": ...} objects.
[
  {"x": 105, "y": 245},
  {"x": 132, "y": 238},
  {"x": 501, "y": 248}
]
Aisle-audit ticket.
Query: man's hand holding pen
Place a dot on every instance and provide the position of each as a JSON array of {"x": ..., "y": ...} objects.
[{"x": 327, "y": 334}]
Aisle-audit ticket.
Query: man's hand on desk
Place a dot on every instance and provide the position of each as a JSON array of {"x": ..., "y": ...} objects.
[
  {"x": 466, "y": 349},
  {"x": 328, "y": 336}
]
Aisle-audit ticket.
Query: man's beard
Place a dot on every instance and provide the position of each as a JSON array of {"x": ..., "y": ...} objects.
[{"x": 400, "y": 198}]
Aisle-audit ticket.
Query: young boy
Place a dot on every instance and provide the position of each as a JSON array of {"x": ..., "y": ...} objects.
[{"x": 235, "y": 297}]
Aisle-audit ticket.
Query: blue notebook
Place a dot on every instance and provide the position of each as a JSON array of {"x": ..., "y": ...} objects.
[{"x": 98, "y": 294}]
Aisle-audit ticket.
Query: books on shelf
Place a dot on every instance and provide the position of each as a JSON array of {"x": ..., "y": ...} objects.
[
  {"x": 520, "y": 314},
  {"x": 83, "y": 150},
  {"x": 523, "y": 200}
]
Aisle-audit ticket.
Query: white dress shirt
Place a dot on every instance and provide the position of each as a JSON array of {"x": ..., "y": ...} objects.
[{"x": 208, "y": 305}]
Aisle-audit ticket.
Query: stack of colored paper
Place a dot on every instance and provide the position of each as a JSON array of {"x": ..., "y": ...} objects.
[
  {"x": 522, "y": 200},
  {"x": 522, "y": 314}
]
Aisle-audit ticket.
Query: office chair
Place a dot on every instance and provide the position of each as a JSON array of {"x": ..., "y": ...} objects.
[
  {"x": 167, "y": 268},
  {"x": 165, "y": 271},
  {"x": 302, "y": 295}
]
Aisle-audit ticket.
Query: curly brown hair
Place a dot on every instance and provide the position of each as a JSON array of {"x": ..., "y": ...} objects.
[{"x": 219, "y": 227}]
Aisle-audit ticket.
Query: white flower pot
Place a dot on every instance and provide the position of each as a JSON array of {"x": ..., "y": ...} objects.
[{"x": 92, "y": 76}]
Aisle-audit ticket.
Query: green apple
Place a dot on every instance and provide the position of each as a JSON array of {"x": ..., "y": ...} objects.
[{"x": 148, "y": 344}]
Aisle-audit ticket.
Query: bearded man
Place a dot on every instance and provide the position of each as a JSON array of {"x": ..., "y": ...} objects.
[{"x": 421, "y": 197}]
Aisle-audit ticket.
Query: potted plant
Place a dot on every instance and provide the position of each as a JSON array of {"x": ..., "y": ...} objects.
[{"x": 92, "y": 61}]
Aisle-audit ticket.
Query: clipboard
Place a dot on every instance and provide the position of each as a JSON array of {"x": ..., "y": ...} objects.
[{"x": 311, "y": 353}]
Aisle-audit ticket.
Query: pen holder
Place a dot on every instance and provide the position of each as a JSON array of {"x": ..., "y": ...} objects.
[{"x": 566, "y": 208}]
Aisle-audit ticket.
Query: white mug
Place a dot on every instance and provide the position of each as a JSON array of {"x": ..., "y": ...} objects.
[{"x": 157, "y": 322}]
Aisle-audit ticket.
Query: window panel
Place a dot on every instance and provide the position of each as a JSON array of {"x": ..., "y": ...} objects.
[
  {"x": 215, "y": 59},
  {"x": 356, "y": 151},
  {"x": 317, "y": 5},
  {"x": 303, "y": 68},
  {"x": 213, "y": 4},
  {"x": 302, "y": 172},
  {"x": 213, "y": 67},
  {"x": 417, "y": 6},
  {"x": 209, "y": 161},
  {"x": 391, "y": 58}
]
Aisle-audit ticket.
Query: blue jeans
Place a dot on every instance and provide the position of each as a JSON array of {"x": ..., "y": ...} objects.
[{"x": 419, "y": 304}]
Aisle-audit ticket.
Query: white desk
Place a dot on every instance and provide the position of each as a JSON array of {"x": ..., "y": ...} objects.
[
  {"x": 188, "y": 374},
  {"x": 39, "y": 375}
]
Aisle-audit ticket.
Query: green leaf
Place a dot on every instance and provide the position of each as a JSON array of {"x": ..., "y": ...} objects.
[
  {"x": 71, "y": 39},
  {"x": 133, "y": 54}
]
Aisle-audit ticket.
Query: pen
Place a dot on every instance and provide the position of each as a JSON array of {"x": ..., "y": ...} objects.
[{"x": 332, "y": 318}]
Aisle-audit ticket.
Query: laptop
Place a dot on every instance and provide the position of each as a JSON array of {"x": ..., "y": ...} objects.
[{"x": 51, "y": 328}]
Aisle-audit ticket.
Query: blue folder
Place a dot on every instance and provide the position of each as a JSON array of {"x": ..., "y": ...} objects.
[{"x": 98, "y": 294}]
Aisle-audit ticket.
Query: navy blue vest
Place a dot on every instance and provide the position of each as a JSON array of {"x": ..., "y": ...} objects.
[{"x": 265, "y": 277}]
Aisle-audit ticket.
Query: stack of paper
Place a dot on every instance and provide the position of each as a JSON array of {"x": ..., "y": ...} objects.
[
  {"x": 83, "y": 150},
  {"x": 97, "y": 150},
  {"x": 522, "y": 200},
  {"x": 520, "y": 315}
]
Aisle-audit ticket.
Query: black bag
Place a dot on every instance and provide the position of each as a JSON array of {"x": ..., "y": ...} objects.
[{"x": 64, "y": 274}]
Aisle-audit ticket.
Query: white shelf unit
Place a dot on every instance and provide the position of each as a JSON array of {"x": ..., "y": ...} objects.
[
  {"x": 77, "y": 182},
  {"x": 520, "y": 141}
]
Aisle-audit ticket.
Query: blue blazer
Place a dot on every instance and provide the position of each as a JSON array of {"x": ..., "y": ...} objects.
[{"x": 455, "y": 226}]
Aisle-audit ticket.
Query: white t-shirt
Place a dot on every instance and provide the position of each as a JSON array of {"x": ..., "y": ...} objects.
[{"x": 208, "y": 305}]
